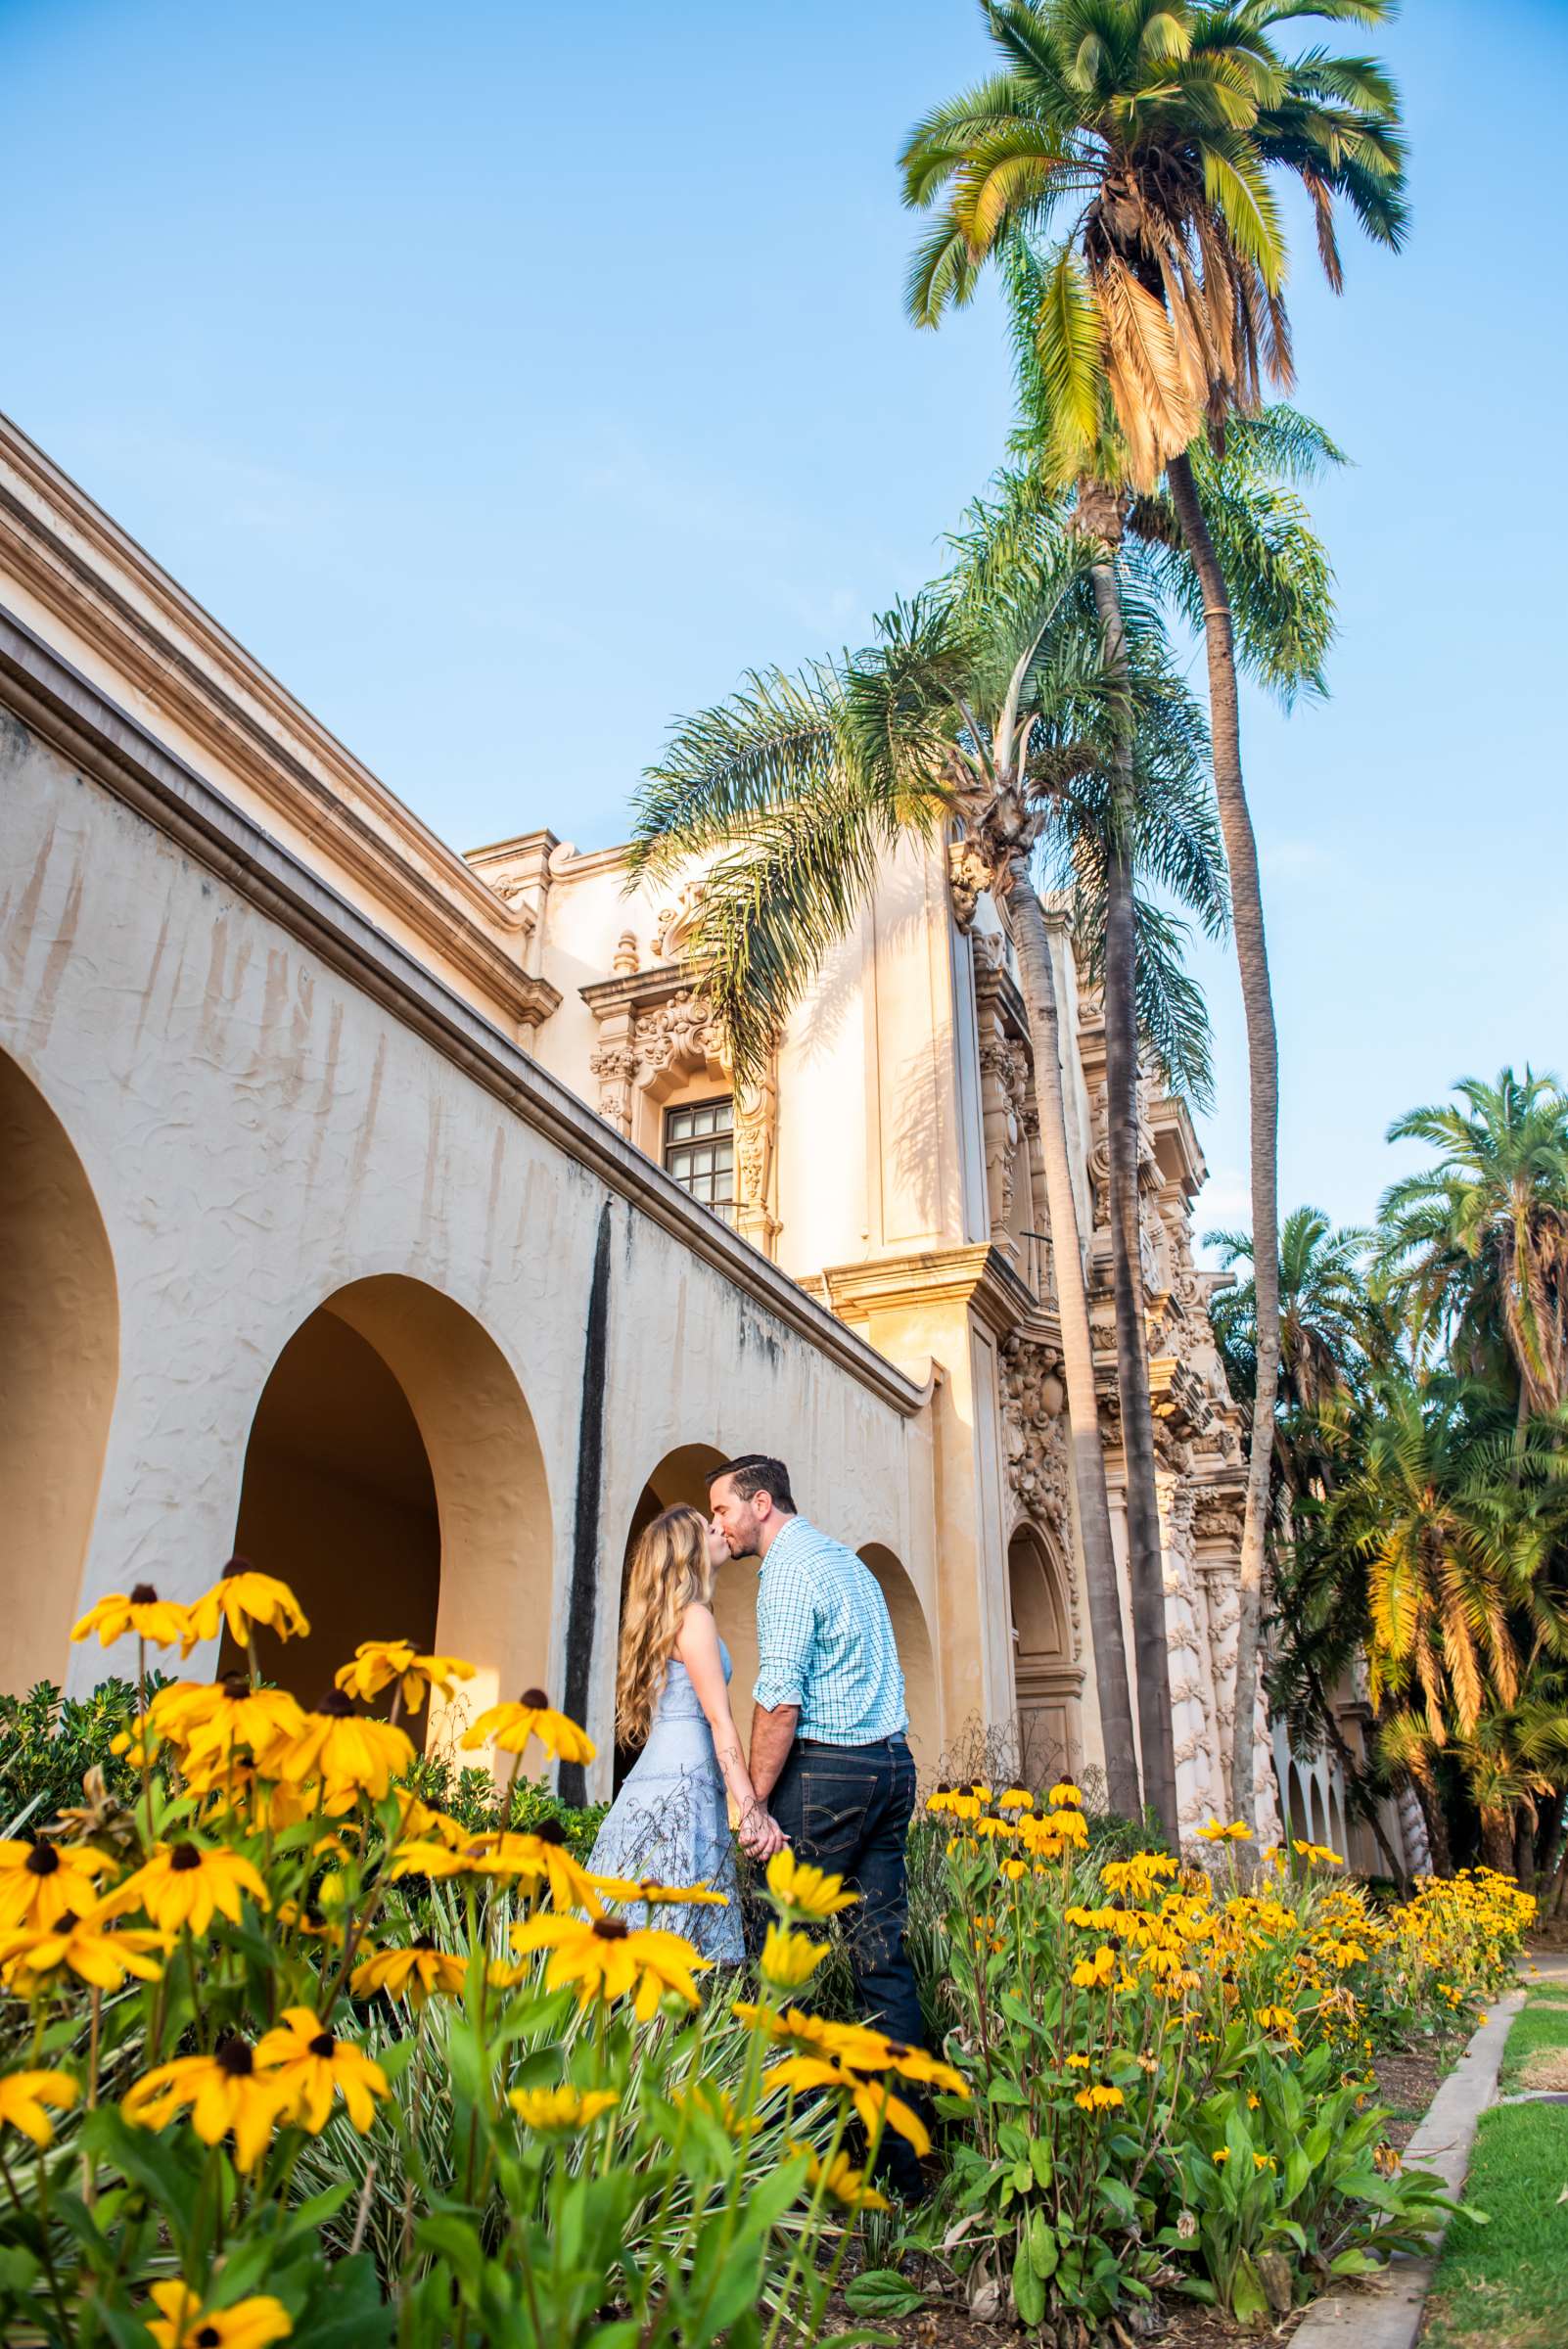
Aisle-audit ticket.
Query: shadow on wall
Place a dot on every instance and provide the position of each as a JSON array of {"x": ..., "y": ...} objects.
[
  {"x": 59, "y": 1361},
  {"x": 394, "y": 1478},
  {"x": 916, "y": 1655},
  {"x": 1046, "y": 1676}
]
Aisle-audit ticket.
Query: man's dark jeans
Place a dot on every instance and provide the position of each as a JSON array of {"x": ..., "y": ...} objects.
[{"x": 846, "y": 1808}]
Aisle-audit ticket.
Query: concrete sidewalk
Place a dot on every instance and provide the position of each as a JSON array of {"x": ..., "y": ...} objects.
[{"x": 1385, "y": 2311}]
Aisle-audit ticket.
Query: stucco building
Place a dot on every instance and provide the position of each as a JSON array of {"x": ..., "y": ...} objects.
[{"x": 392, "y": 1217}]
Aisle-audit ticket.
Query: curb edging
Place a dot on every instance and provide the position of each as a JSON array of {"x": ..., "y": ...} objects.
[{"x": 1385, "y": 2311}]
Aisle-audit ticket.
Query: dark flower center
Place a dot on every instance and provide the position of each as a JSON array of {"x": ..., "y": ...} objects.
[
  {"x": 66, "y": 1921},
  {"x": 235, "y": 1686},
  {"x": 233, "y": 2057},
  {"x": 945, "y": 1788},
  {"x": 323, "y": 2045},
  {"x": 898, "y": 2051},
  {"x": 43, "y": 1860},
  {"x": 183, "y": 1858},
  {"x": 209, "y": 2337},
  {"x": 550, "y": 1830},
  {"x": 235, "y": 1566},
  {"x": 335, "y": 1705},
  {"x": 535, "y": 1700},
  {"x": 144, "y": 1595},
  {"x": 422, "y": 1941},
  {"x": 610, "y": 1928}
]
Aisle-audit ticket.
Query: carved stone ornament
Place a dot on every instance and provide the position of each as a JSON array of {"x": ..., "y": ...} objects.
[
  {"x": 1034, "y": 1430},
  {"x": 683, "y": 1030},
  {"x": 968, "y": 873}
]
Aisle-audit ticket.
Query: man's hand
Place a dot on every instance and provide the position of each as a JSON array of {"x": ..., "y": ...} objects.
[{"x": 761, "y": 1834}]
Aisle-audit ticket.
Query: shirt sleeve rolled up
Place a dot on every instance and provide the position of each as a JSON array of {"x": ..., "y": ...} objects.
[{"x": 786, "y": 1633}]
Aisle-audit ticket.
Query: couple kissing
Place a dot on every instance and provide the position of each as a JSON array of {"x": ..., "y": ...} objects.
[{"x": 830, "y": 1770}]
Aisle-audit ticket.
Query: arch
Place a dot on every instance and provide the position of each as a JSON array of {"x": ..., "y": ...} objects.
[
  {"x": 1320, "y": 1814},
  {"x": 1337, "y": 1840},
  {"x": 394, "y": 1476},
  {"x": 60, "y": 1347},
  {"x": 1298, "y": 1818},
  {"x": 912, "y": 1637},
  {"x": 1047, "y": 1678},
  {"x": 683, "y": 1476}
]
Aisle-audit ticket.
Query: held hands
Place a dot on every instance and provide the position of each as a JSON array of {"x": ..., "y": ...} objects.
[{"x": 761, "y": 1834}]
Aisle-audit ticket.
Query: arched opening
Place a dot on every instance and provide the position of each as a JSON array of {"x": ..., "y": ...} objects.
[
  {"x": 913, "y": 1639},
  {"x": 683, "y": 1476},
  {"x": 60, "y": 1347},
  {"x": 1320, "y": 1813},
  {"x": 1298, "y": 1818},
  {"x": 1048, "y": 1682},
  {"x": 393, "y": 1477}
]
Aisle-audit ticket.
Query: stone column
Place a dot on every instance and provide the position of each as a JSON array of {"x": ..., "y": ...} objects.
[{"x": 1196, "y": 1795}]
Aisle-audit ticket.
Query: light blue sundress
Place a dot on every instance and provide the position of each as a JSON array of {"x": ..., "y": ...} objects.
[{"x": 671, "y": 1822}]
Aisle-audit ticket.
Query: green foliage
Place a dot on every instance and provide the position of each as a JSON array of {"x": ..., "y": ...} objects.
[
  {"x": 472, "y": 1796},
  {"x": 49, "y": 1742}
]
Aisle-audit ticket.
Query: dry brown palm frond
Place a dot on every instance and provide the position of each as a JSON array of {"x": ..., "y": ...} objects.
[{"x": 1150, "y": 374}]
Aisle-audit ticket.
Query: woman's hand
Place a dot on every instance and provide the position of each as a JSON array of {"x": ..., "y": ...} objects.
[{"x": 761, "y": 1834}]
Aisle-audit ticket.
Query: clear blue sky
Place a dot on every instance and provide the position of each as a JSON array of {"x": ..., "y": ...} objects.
[{"x": 509, "y": 378}]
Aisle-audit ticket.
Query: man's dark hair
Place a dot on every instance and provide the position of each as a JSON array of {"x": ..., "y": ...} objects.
[{"x": 753, "y": 1472}]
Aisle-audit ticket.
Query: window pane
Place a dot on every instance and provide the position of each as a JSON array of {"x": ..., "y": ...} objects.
[{"x": 699, "y": 1152}]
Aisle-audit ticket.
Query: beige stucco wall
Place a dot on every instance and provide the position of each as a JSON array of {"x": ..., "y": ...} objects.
[{"x": 261, "y": 1135}]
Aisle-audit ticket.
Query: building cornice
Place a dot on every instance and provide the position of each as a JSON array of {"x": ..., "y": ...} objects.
[
  {"x": 638, "y": 990},
  {"x": 117, "y": 603},
  {"x": 107, "y": 742},
  {"x": 978, "y": 1276}
]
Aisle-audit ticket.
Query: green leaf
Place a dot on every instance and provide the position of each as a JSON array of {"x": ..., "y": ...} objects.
[
  {"x": 883, "y": 2292},
  {"x": 1248, "y": 2299},
  {"x": 1353, "y": 2262},
  {"x": 1042, "y": 2246},
  {"x": 345, "y": 2309},
  {"x": 1028, "y": 2289},
  {"x": 1039, "y": 2155}
]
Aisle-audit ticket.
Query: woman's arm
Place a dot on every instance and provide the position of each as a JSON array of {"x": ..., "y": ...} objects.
[{"x": 696, "y": 1646}]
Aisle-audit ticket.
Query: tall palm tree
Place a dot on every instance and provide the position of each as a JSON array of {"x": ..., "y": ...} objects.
[
  {"x": 977, "y": 709},
  {"x": 1328, "y": 1333},
  {"x": 1476, "y": 1247},
  {"x": 1156, "y": 125}
]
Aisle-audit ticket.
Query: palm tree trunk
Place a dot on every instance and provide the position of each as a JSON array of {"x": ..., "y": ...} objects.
[
  {"x": 1430, "y": 1798},
  {"x": 1496, "y": 1841},
  {"x": 1145, "y": 1548},
  {"x": 1262, "y": 1062},
  {"x": 1100, "y": 1585}
]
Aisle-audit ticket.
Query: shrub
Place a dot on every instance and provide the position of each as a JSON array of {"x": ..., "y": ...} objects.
[
  {"x": 1168, "y": 2065},
  {"x": 304, "y": 2055}
]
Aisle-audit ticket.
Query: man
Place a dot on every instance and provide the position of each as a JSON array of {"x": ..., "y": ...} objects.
[{"x": 829, "y": 1755}]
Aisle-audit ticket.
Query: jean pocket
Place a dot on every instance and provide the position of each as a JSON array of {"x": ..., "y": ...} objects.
[{"x": 833, "y": 1810}]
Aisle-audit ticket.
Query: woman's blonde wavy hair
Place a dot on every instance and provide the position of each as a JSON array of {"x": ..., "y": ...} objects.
[{"x": 669, "y": 1569}]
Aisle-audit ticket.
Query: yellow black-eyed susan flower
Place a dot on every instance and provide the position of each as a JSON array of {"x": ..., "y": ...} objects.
[
  {"x": 606, "y": 1960},
  {"x": 223, "y": 2092},
  {"x": 416, "y": 1971},
  {"x": 377, "y": 1663},
  {"x": 186, "y": 1884},
  {"x": 560, "y": 2111},
  {"x": 789, "y": 1958},
  {"x": 1098, "y": 2097},
  {"x": 40, "y": 1881},
  {"x": 81, "y": 1946},
  {"x": 160, "y": 1621},
  {"x": 23, "y": 2096},
  {"x": 842, "y": 2180},
  {"x": 183, "y": 2323},
  {"x": 351, "y": 1753},
  {"x": 313, "y": 2065},
  {"x": 510, "y": 1727},
  {"x": 244, "y": 1598},
  {"x": 803, "y": 1891},
  {"x": 210, "y": 1718}
]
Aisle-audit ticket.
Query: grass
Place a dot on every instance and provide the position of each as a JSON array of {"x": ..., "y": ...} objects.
[
  {"x": 1537, "y": 2053},
  {"x": 1504, "y": 2285}
]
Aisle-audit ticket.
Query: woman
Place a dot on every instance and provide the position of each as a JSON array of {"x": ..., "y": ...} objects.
[{"x": 669, "y": 1824}]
